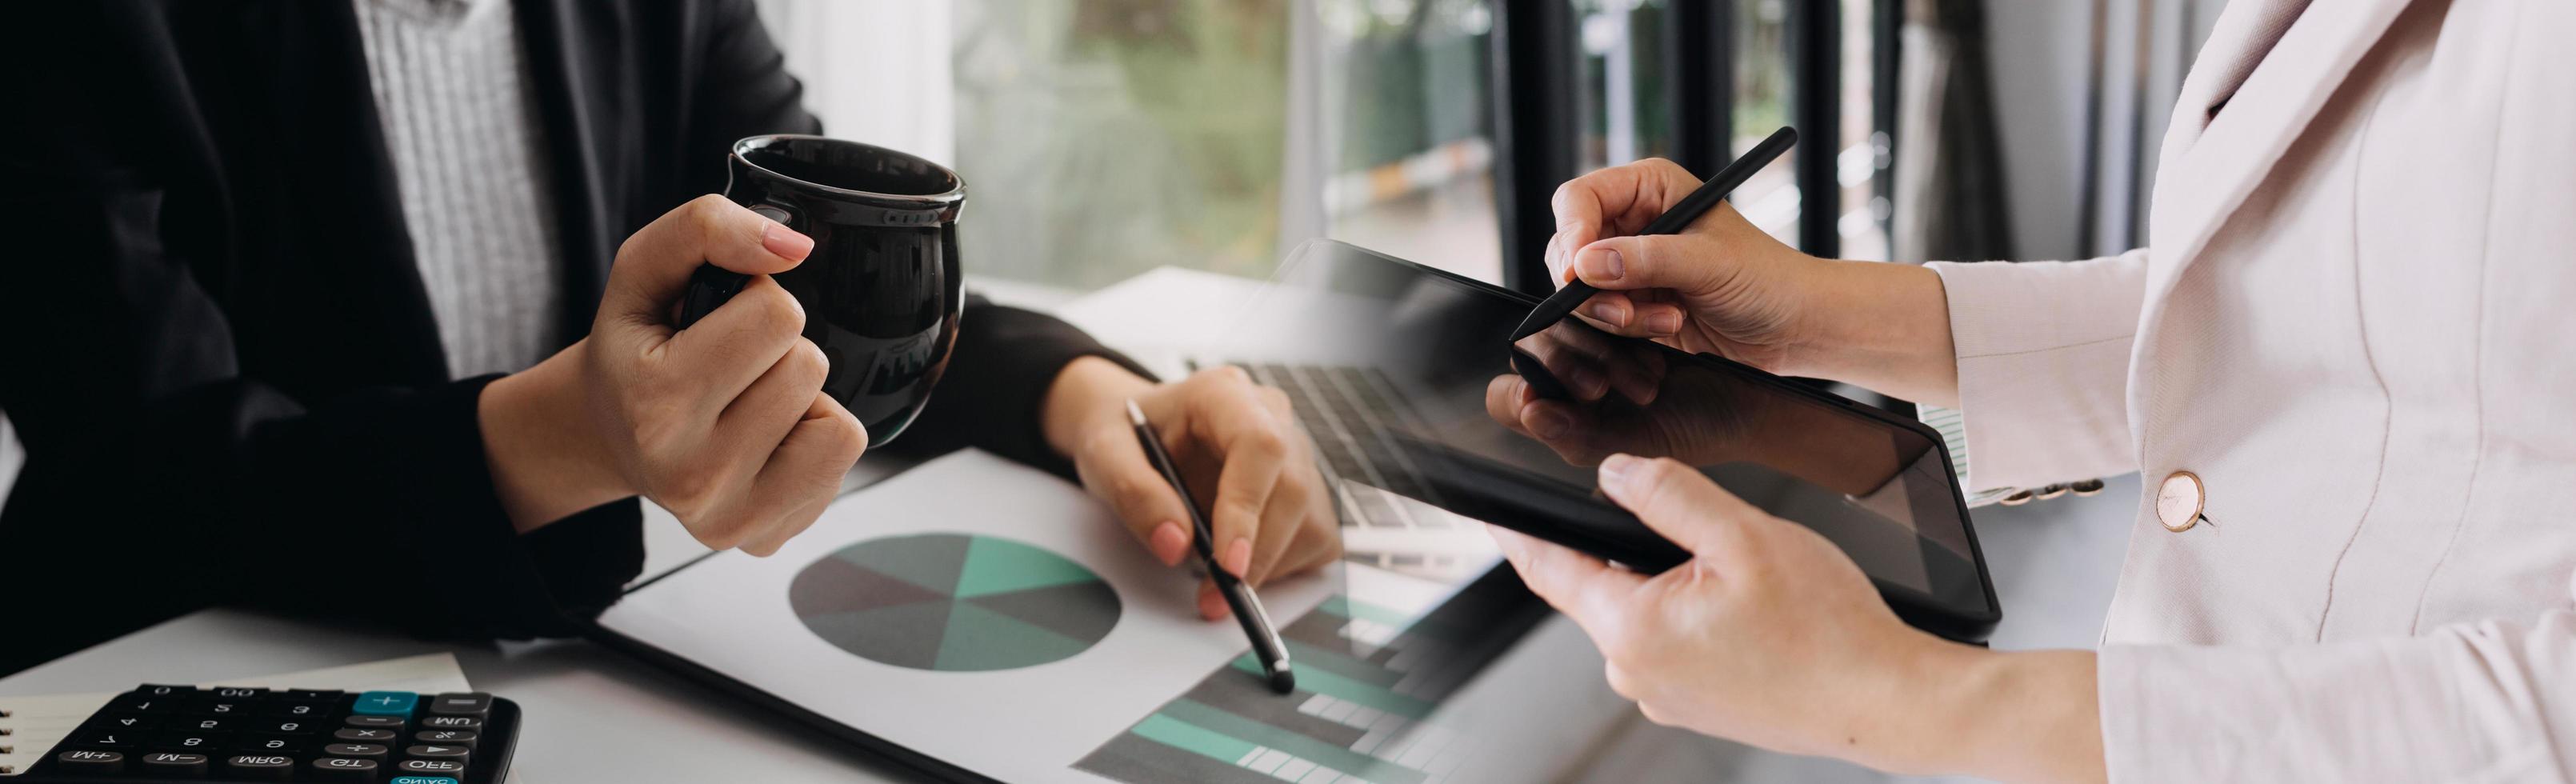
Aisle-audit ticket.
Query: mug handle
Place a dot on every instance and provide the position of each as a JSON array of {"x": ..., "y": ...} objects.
[{"x": 712, "y": 286}]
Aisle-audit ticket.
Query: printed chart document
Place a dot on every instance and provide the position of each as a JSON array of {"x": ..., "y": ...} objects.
[{"x": 999, "y": 619}]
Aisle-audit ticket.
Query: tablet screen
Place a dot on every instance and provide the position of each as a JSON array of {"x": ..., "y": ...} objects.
[{"x": 1414, "y": 353}]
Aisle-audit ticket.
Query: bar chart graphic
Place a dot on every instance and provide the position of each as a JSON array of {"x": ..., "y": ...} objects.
[
  {"x": 1367, "y": 679},
  {"x": 953, "y": 603}
]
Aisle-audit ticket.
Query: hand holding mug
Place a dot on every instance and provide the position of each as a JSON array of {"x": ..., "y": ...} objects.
[{"x": 724, "y": 423}]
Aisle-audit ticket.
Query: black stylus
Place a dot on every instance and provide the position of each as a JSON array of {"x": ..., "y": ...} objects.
[
  {"x": 1266, "y": 645},
  {"x": 1673, "y": 221}
]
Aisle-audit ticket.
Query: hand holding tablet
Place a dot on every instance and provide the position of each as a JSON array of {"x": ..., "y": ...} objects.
[{"x": 1877, "y": 486}]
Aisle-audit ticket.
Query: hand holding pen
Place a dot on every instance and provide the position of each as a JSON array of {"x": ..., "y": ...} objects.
[
  {"x": 1267, "y": 648},
  {"x": 1661, "y": 198},
  {"x": 1724, "y": 286}
]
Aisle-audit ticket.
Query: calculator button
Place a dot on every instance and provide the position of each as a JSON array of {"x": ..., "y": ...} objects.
[
  {"x": 431, "y": 767},
  {"x": 134, "y": 722},
  {"x": 472, "y": 703},
  {"x": 311, "y": 695},
  {"x": 271, "y": 743},
  {"x": 273, "y": 767},
  {"x": 172, "y": 763},
  {"x": 422, "y": 780},
  {"x": 159, "y": 690},
  {"x": 346, "y": 768},
  {"x": 368, "y": 750},
  {"x": 450, "y": 722},
  {"x": 427, "y": 751},
  {"x": 107, "y": 738},
  {"x": 364, "y": 735},
  {"x": 314, "y": 710},
  {"x": 237, "y": 693},
  {"x": 189, "y": 741},
  {"x": 91, "y": 761},
  {"x": 385, "y": 703},
  {"x": 387, "y": 722},
  {"x": 142, "y": 703},
  {"x": 204, "y": 724},
  {"x": 463, "y": 738},
  {"x": 288, "y": 726},
  {"x": 220, "y": 708}
]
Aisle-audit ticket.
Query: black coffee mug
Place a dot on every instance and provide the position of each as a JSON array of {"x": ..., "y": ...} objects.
[{"x": 881, "y": 289}]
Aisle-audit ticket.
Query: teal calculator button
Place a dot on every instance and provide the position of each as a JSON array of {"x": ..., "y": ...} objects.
[
  {"x": 423, "y": 780},
  {"x": 386, "y": 703}
]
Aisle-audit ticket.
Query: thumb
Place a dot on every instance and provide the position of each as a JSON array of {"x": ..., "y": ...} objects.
[
  {"x": 654, "y": 264},
  {"x": 1681, "y": 503},
  {"x": 1116, "y": 469},
  {"x": 1683, "y": 262}
]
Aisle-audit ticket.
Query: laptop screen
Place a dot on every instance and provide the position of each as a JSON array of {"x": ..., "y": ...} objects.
[{"x": 1413, "y": 354}]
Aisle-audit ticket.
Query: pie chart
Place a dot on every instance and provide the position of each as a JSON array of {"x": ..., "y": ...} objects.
[{"x": 953, "y": 603}]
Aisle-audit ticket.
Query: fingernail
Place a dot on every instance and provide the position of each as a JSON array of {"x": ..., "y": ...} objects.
[
  {"x": 1664, "y": 322},
  {"x": 786, "y": 242},
  {"x": 1550, "y": 423},
  {"x": 1610, "y": 314},
  {"x": 1614, "y": 473},
  {"x": 1211, "y": 605},
  {"x": 1604, "y": 264},
  {"x": 1238, "y": 557},
  {"x": 1168, "y": 543}
]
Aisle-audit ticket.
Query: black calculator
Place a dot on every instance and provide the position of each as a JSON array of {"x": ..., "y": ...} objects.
[{"x": 156, "y": 734}]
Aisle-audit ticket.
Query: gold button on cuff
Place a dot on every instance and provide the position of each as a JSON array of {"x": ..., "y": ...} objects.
[
  {"x": 2087, "y": 488},
  {"x": 2179, "y": 501},
  {"x": 2018, "y": 498}
]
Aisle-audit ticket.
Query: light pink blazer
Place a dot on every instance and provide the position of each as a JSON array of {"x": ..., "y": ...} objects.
[{"x": 2356, "y": 322}]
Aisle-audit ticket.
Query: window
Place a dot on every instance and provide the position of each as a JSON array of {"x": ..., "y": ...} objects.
[
  {"x": 1103, "y": 138},
  {"x": 1407, "y": 128}
]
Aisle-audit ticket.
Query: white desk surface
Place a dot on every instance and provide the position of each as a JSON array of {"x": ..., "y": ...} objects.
[{"x": 597, "y": 715}]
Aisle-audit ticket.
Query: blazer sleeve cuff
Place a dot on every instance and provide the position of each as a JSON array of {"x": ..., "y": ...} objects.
[
  {"x": 994, "y": 394},
  {"x": 2043, "y": 361},
  {"x": 493, "y": 580},
  {"x": 2489, "y": 701}
]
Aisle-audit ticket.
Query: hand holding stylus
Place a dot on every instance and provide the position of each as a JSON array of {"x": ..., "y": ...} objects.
[
  {"x": 1234, "y": 443},
  {"x": 1720, "y": 286},
  {"x": 1723, "y": 286}
]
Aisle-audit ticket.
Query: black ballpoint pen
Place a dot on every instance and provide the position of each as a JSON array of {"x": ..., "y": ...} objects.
[
  {"x": 1266, "y": 645},
  {"x": 1673, "y": 221}
]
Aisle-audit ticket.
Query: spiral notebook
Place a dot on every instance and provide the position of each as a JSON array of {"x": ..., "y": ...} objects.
[{"x": 30, "y": 725}]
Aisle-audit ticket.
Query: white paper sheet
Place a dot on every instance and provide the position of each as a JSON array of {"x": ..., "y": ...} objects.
[{"x": 731, "y": 613}]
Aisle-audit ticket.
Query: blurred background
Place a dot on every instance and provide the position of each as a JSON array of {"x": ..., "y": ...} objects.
[
  {"x": 1211, "y": 134},
  {"x": 1103, "y": 138}
]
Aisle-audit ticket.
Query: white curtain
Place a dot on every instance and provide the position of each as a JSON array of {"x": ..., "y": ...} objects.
[{"x": 876, "y": 71}]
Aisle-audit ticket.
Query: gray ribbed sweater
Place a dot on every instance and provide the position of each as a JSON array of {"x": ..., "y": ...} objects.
[{"x": 450, "y": 85}]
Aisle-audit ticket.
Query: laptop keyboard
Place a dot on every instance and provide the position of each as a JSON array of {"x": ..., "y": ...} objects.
[{"x": 1353, "y": 414}]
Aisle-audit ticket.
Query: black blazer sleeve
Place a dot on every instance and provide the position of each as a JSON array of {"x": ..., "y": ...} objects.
[
  {"x": 161, "y": 477},
  {"x": 201, "y": 426},
  {"x": 1005, "y": 358}
]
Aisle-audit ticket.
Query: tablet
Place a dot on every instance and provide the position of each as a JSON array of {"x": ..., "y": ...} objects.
[{"x": 1413, "y": 352}]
